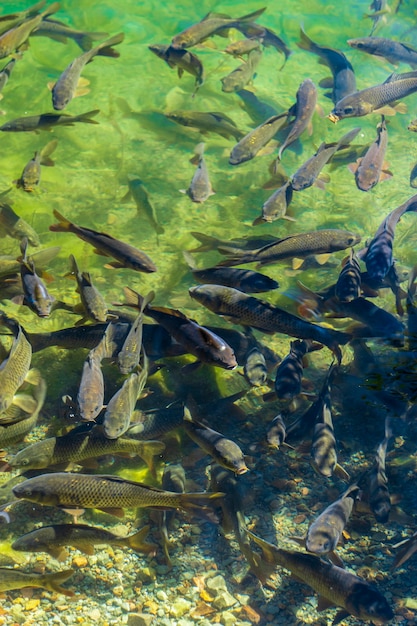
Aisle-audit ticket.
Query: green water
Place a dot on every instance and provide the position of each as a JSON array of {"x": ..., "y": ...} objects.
[{"x": 89, "y": 180}]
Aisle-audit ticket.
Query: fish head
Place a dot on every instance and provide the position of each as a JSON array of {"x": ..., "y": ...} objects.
[
  {"x": 36, "y": 490},
  {"x": 61, "y": 96},
  {"x": 350, "y": 107},
  {"x": 321, "y": 540},
  {"x": 159, "y": 49},
  {"x": 365, "y": 601}
]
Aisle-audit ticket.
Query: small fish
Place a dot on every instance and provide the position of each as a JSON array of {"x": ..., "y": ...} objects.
[
  {"x": 290, "y": 371},
  {"x": 335, "y": 585},
  {"x": 380, "y": 9},
  {"x": 31, "y": 174},
  {"x": 268, "y": 37},
  {"x": 393, "y": 51},
  {"x": 379, "y": 498},
  {"x": 183, "y": 60},
  {"x": 54, "y": 539},
  {"x": 375, "y": 99},
  {"x": 323, "y": 444},
  {"x": 58, "y": 31},
  {"x": 302, "y": 111},
  {"x": 108, "y": 493},
  {"x": 206, "y": 122},
  {"x": 173, "y": 479},
  {"x": 371, "y": 168},
  {"x": 10, "y": 20},
  {"x": 17, "y": 227},
  {"x": 14, "y": 370},
  {"x": 64, "y": 89},
  {"x": 300, "y": 245},
  {"x": 275, "y": 207},
  {"x": 94, "y": 306},
  {"x": 16, "y": 37},
  {"x": 343, "y": 82},
  {"x": 124, "y": 254},
  {"x": 200, "y": 188},
  {"x": 90, "y": 396},
  {"x": 5, "y": 74},
  {"x": 247, "y": 281},
  {"x": 224, "y": 451},
  {"x": 128, "y": 356},
  {"x": 249, "y": 311},
  {"x": 140, "y": 195},
  {"x": 276, "y": 433},
  {"x": 249, "y": 146},
  {"x": 348, "y": 286},
  {"x": 35, "y": 294},
  {"x": 16, "y": 579},
  {"x": 243, "y": 46},
  {"x": 210, "y": 25},
  {"x": 46, "y": 121},
  {"x": 242, "y": 75},
  {"x": 255, "y": 370}
]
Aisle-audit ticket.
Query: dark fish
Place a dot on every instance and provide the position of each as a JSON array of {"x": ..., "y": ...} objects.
[
  {"x": 276, "y": 433},
  {"x": 5, "y": 74},
  {"x": 379, "y": 498},
  {"x": 183, "y": 60},
  {"x": 35, "y": 294},
  {"x": 236, "y": 245},
  {"x": 394, "y": 51},
  {"x": 31, "y": 174},
  {"x": 200, "y": 188},
  {"x": 173, "y": 479},
  {"x": 157, "y": 422},
  {"x": 17, "y": 227},
  {"x": 247, "y": 281},
  {"x": 408, "y": 548},
  {"x": 249, "y": 146},
  {"x": 378, "y": 255},
  {"x": 255, "y": 369},
  {"x": 323, "y": 444},
  {"x": 46, "y": 121},
  {"x": 206, "y": 122},
  {"x": 249, "y": 311},
  {"x": 375, "y": 99},
  {"x": 143, "y": 204},
  {"x": 125, "y": 254},
  {"x": 94, "y": 306},
  {"x": 16, "y": 37},
  {"x": 14, "y": 370},
  {"x": 300, "y": 245},
  {"x": 16, "y": 579},
  {"x": 371, "y": 168},
  {"x": 54, "y": 539},
  {"x": 64, "y": 89},
  {"x": 413, "y": 177},
  {"x": 290, "y": 371},
  {"x": 210, "y": 25},
  {"x": 223, "y": 450},
  {"x": 58, "y": 31},
  {"x": 242, "y": 75},
  {"x": 335, "y": 585},
  {"x": 302, "y": 110},
  {"x": 108, "y": 493},
  {"x": 348, "y": 286},
  {"x": 380, "y": 9},
  {"x": 268, "y": 37},
  {"x": 343, "y": 82}
]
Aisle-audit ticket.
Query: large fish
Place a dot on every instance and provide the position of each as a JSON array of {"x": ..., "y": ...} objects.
[
  {"x": 206, "y": 122},
  {"x": 58, "y": 31},
  {"x": 14, "y": 369},
  {"x": 108, "y": 493},
  {"x": 242, "y": 75},
  {"x": 16, "y": 431},
  {"x": 124, "y": 254},
  {"x": 64, "y": 89},
  {"x": 375, "y": 99},
  {"x": 16, "y": 579},
  {"x": 16, "y": 37},
  {"x": 249, "y": 146},
  {"x": 183, "y": 60},
  {"x": 335, "y": 585},
  {"x": 302, "y": 110},
  {"x": 210, "y": 25},
  {"x": 46, "y": 121},
  {"x": 394, "y": 51}
]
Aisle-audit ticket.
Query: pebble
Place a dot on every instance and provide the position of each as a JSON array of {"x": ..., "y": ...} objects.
[
  {"x": 216, "y": 584},
  {"x": 140, "y": 619},
  {"x": 179, "y": 607},
  {"x": 224, "y": 600}
]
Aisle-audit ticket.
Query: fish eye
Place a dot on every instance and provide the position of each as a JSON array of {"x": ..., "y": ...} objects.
[{"x": 348, "y": 110}]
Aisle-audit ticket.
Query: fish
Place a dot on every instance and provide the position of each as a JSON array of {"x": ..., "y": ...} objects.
[
  {"x": 375, "y": 99},
  {"x": 5, "y": 74},
  {"x": 200, "y": 188},
  {"x": 325, "y": 532},
  {"x": 14, "y": 370},
  {"x": 243, "y": 46},
  {"x": 90, "y": 396},
  {"x": 210, "y": 25},
  {"x": 47, "y": 121},
  {"x": 335, "y": 585},
  {"x": 268, "y": 37},
  {"x": 276, "y": 206},
  {"x": 14, "y": 38},
  {"x": 35, "y": 293},
  {"x": 290, "y": 371},
  {"x": 300, "y": 245},
  {"x": 247, "y": 281},
  {"x": 173, "y": 479},
  {"x": 380, "y": 10},
  {"x": 93, "y": 304},
  {"x": 249, "y": 311},
  {"x": 378, "y": 255},
  {"x": 16, "y": 579},
  {"x": 302, "y": 111},
  {"x": 107, "y": 493},
  {"x": 31, "y": 174},
  {"x": 348, "y": 285},
  {"x": 10, "y": 20},
  {"x": 343, "y": 81},
  {"x": 183, "y": 60},
  {"x": 128, "y": 356},
  {"x": 140, "y": 196},
  {"x": 413, "y": 177},
  {"x": 64, "y": 89},
  {"x": 242, "y": 75},
  {"x": 54, "y": 539},
  {"x": 255, "y": 369},
  {"x": 393, "y": 51},
  {"x": 76, "y": 447},
  {"x": 206, "y": 122},
  {"x": 197, "y": 340},
  {"x": 58, "y": 31},
  {"x": 16, "y": 431},
  {"x": 124, "y": 254},
  {"x": 17, "y": 228},
  {"x": 372, "y": 168},
  {"x": 249, "y": 146},
  {"x": 379, "y": 498},
  {"x": 156, "y": 422},
  {"x": 223, "y": 450},
  {"x": 225, "y": 246},
  {"x": 408, "y": 548},
  {"x": 277, "y": 432}
]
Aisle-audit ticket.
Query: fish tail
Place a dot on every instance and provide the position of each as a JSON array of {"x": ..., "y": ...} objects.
[
  {"x": 137, "y": 542},
  {"x": 85, "y": 41},
  {"x": 86, "y": 117},
  {"x": 63, "y": 225},
  {"x": 208, "y": 242},
  {"x": 134, "y": 299},
  {"x": 269, "y": 551},
  {"x": 53, "y": 581},
  {"x": 306, "y": 43},
  {"x": 53, "y": 8},
  {"x": 105, "y": 49},
  {"x": 151, "y": 449},
  {"x": 251, "y": 16}
]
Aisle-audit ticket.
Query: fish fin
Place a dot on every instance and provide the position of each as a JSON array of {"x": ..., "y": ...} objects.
[
  {"x": 81, "y": 91},
  {"x": 326, "y": 83},
  {"x": 297, "y": 263},
  {"x": 53, "y": 581},
  {"x": 354, "y": 166},
  {"x": 304, "y": 447},
  {"x": 339, "y": 616},
  {"x": 341, "y": 473},
  {"x": 180, "y": 71},
  {"x": 151, "y": 449},
  {"x": 189, "y": 259},
  {"x": 335, "y": 559},
  {"x": 25, "y": 402},
  {"x": 58, "y": 553},
  {"x": 51, "y": 85},
  {"x": 268, "y": 149},
  {"x": 64, "y": 225},
  {"x": 189, "y": 368},
  {"x": 301, "y": 541},
  {"x": 137, "y": 542},
  {"x": 86, "y": 549},
  {"x": 19, "y": 300},
  {"x": 76, "y": 513},
  {"x": 322, "y": 258},
  {"x": 117, "y": 512},
  {"x": 321, "y": 181},
  {"x": 33, "y": 377},
  {"x": 323, "y": 603}
]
